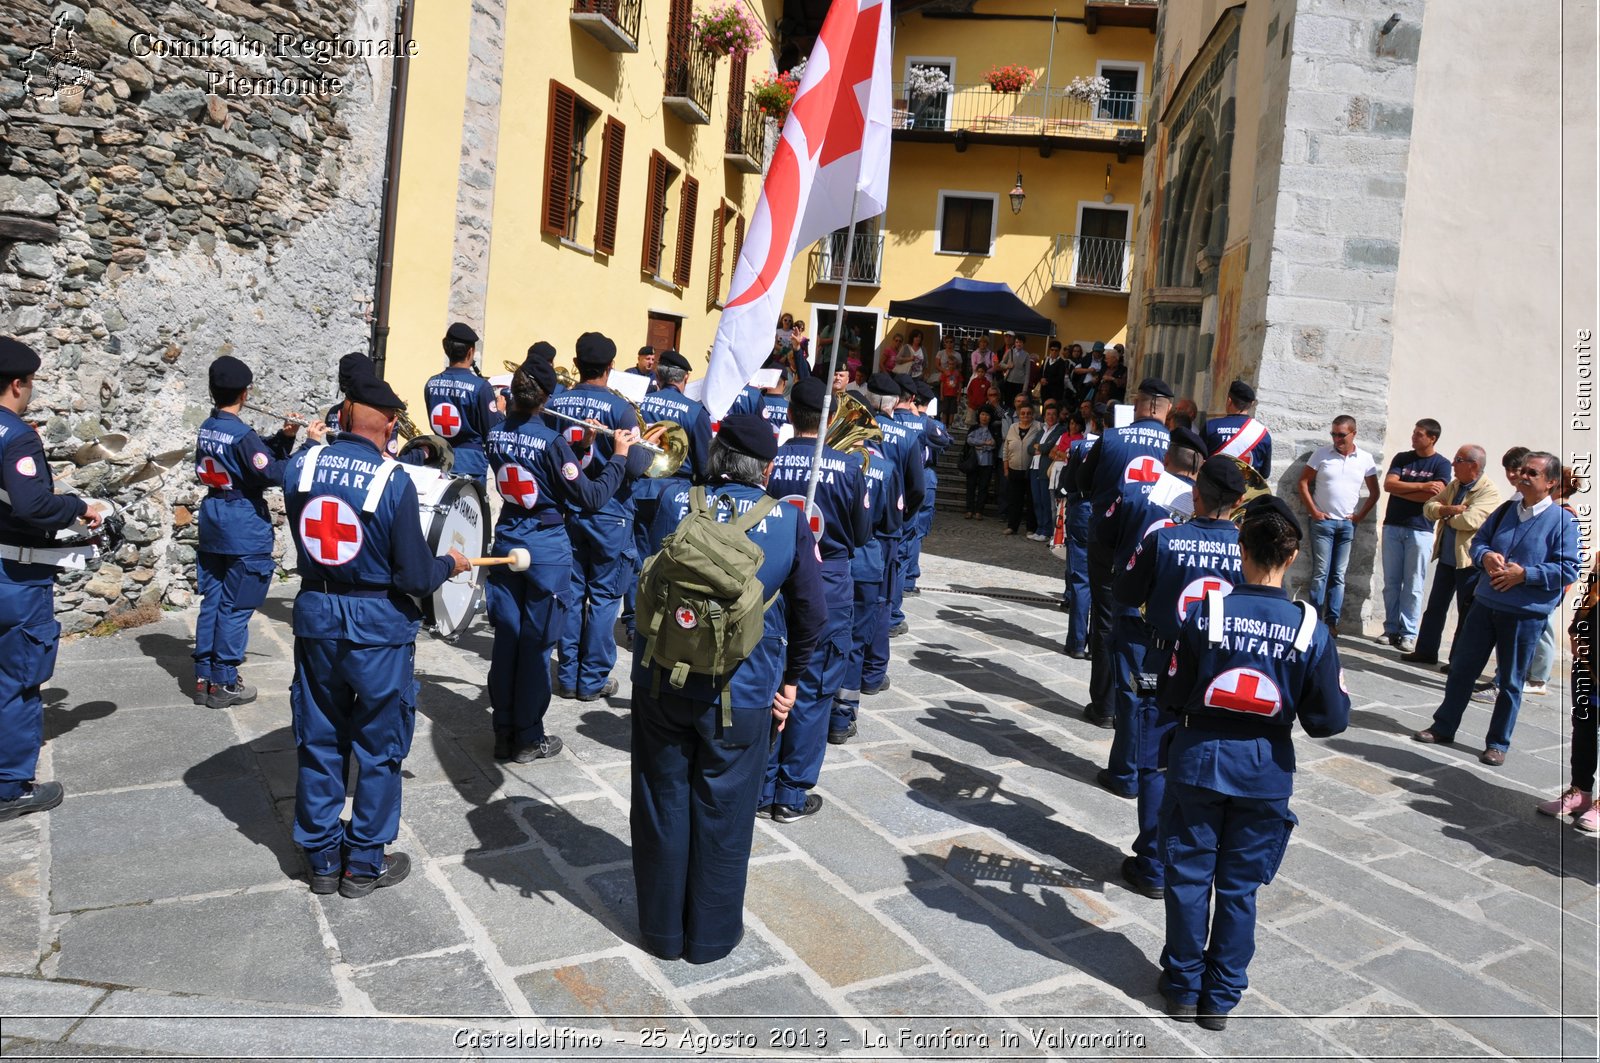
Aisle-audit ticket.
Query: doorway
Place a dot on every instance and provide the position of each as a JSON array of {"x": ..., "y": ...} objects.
[
  {"x": 663, "y": 331},
  {"x": 862, "y": 325}
]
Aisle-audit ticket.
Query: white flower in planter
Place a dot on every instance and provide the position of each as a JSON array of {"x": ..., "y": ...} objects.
[
  {"x": 1088, "y": 89},
  {"x": 926, "y": 81}
]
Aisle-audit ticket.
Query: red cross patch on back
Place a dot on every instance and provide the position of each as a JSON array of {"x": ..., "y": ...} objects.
[
  {"x": 1142, "y": 470},
  {"x": 517, "y": 485},
  {"x": 213, "y": 473},
  {"x": 330, "y": 530},
  {"x": 1197, "y": 590},
  {"x": 446, "y": 419},
  {"x": 1244, "y": 690}
]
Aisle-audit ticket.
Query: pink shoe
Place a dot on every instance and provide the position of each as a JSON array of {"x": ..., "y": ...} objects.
[
  {"x": 1572, "y": 802},
  {"x": 1589, "y": 822}
]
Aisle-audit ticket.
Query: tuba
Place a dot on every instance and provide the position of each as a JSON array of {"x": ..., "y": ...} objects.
[
  {"x": 1255, "y": 485},
  {"x": 852, "y": 427}
]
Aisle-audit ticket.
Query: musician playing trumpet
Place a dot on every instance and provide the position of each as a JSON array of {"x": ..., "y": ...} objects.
[{"x": 235, "y": 550}]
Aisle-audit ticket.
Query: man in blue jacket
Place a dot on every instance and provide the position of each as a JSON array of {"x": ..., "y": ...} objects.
[
  {"x": 1527, "y": 552},
  {"x": 461, "y": 404}
]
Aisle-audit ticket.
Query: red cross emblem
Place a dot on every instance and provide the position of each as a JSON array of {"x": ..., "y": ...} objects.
[
  {"x": 1145, "y": 470},
  {"x": 685, "y": 617},
  {"x": 1244, "y": 690},
  {"x": 813, "y": 515},
  {"x": 714, "y": 426},
  {"x": 446, "y": 419},
  {"x": 517, "y": 486},
  {"x": 330, "y": 531},
  {"x": 213, "y": 474},
  {"x": 1197, "y": 590},
  {"x": 575, "y": 435}
]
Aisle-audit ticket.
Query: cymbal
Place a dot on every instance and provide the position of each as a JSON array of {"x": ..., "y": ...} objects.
[
  {"x": 157, "y": 465},
  {"x": 104, "y": 448}
]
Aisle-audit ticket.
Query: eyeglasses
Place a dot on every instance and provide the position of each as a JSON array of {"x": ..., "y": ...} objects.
[
  {"x": 1531, "y": 470},
  {"x": 1340, "y": 435}
]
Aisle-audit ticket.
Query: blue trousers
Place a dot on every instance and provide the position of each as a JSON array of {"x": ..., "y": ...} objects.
[
  {"x": 695, "y": 785},
  {"x": 604, "y": 560},
  {"x": 1219, "y": 850},
  {"x": 1512, "y": 639},
  {"x": 1150, "y": 731},
  {"x": 350, "y": 702},
  {"x": 1044, "y": 506},
  {"x": 875, "y": 665},
  {"x": 864, "y": 621},
  {"x": 528, "y": 612},
  {"x": 796, "y": 759},
  {"x": 1077, "y": 576},
  {"x": 1330, "y": 554},
  {"x": 29, "y": 636},
  {"x": 1449, "y": 583},
  {"x": 1405, "y": 570},
  {"x": 1130, "y": 645},
  {"x": 232, "y": 588}
]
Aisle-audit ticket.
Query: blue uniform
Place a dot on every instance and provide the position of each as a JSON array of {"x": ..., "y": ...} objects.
[
  {"x": 362, "y": 561},
  {"x": 1077, "y": 543},
  {"x": 843, "y": 506},
  {"x": 775, "y": 408},
  {"x": 234, "y": 559},
  {"x": 1220, "y": 431},
  {"x": 665, "y": 404},
  {"x": 461, "y": 409},
  {"x": 538, "y": 475},
  {"x": 604, "y": 558},
  {"x": 935, "y": 440},
  {"x": 867, "y": 571},
  {"x": 1175, "y": 567},
  {"x": 30, "y": 513},
  {"x": 1237, "y": 687},
  {"x": 332, "y": 420},
  {"x": 696, "y": 779},
  {"x": 750, "y": 399},
  {"x": 902, "y": 449}
]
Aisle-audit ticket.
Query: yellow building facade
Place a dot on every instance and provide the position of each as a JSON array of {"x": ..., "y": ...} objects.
[
  {"x": 957, "y": 155},
  {"x": 570, "y": 165}
]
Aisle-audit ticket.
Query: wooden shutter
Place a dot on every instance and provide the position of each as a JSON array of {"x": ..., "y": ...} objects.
[
  {"x": 719, "y": 225},
  {"x": 736, "y": 88},
  {"x": 738, "y": 245},
  {"x": 558, "y": 161},
  {"x": 605, "y": 222},
  {"x": 686, "y": 211},
  {"x": 654, "y": 214}
]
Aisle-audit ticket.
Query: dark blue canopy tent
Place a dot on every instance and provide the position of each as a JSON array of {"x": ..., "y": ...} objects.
[{"x": 975, "y": 304}]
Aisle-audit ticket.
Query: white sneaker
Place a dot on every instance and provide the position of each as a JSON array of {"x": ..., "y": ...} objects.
[
  {"x": 1405, "y": 644},
  {"x": 1538, "y": 690},
  {"x": 1384, "y": 639}
]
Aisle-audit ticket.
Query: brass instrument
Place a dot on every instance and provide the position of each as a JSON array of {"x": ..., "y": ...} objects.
[
  {"x": 1255, "y": 485},
  {"x": 667, "y": 457},
  {"x": 406, "y": 426},
  {"x": 564, "y": 376},
  {"x": 852, "y": 426}
]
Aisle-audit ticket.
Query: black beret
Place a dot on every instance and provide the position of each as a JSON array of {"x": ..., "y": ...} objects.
[
  {"x": 1189, "y": 439},
  {"x": 596, "y": 350},
  {"x": 1223, "y": 473},
  {"x": 808, "y": 393},
  {"x": 461, "y": 332},
  {"x": 1241, "y": 392},
  {"x": 673, "y": 360},
  {"x": 646, "y": 349},
  {"x": 540, "y": 369},
  {"x": 544, "y": 352},
  {"x": 351, "y": 364},
  {"x": 17, "y": 359},
  {"x": 883, "y": 384},
  {"x": 230, "y": 374},
  {"x": 1152, "y": 385},
  {"x": 921, "y": 391},
  {"x": 368, "y": 390},
  {"x": 749, "y": 433},
  {"x": 1261, "y": 505},
  {"x": 907, "y": 388}
]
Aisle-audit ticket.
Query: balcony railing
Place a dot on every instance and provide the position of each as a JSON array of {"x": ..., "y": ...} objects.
[
  {"x": 1092, "y": 264},
  {"x": 866, "y": 259},
  {"x": 1116, "y": 116},
  {"x": 690, "y": 72},
  {"x": 614, "y": 23},
  {"x": 747, "y": 139}
]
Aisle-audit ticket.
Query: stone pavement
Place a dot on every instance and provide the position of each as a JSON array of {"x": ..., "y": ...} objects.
[{"x": 957, "y": 896}]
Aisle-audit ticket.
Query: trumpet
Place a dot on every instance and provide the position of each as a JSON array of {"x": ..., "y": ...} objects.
[
  {"x": 286, "y": 417},
  {"x": 665, "y": 459}
]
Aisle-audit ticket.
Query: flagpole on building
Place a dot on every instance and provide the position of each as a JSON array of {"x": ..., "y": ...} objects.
[{"x": 835, "y": 351}]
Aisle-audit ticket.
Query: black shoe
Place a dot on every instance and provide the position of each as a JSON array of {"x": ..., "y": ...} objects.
[
  {"x": 839, "y": 738},
  {"x": 502, "y": 746},
  {"x": 36, "y": 797},
  {"x": 914, "y": 592},
  {"x": 1418, "y": 658},
  {"x": 1181, "y": 1012},
  {"x": 1064, "y": 605},
  {"x": 564, "y": 692},
  {"x": 396, "y": 866},
  {"x": 323, "y": 885},
  {"x": 790, "y": 813},
  {"x": 879, "y": 689},
  {"x": 1138, "y": 885},
  {"x": 600, "y": 695},
  {"x": 1104, "y": 722},
  {"x": 549, "y": 747},
  {"x": 1080, "y": 654},
  {"x": 1108, "y": 782},
  {"x": 1212, "y": 1022},
  {"x": 899, "y": 629},
  {"x": 764, "y": 812},
  {"x": 235, "y": 693}
]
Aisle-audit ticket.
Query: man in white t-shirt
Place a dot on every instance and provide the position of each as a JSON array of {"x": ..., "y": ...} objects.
[{"x": 1330, "y": 489}]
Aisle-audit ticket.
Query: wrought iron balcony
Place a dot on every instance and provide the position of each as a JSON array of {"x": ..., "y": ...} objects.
[
  {"x": 690, "y": 72},
  {"x": 747, "y": 139},
  {"x": 866, "y": 259},
  {"x": 614, "y": 23},
  {"x": 1092, "y": 264},
  {"x": 1115, "y": 119}
]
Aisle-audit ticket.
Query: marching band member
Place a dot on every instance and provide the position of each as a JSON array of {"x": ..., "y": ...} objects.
[
  {"x": 645, "y": 366},
  {"x": 774, "y": 407},
  {"x": 1076, "y": 599},
  {"x": 913, "y": 413},
  {"x": 353, "y": 364},
  {"x": 669, "y": 403},
  {"x": 461, "y": 404},
  {"x": 902, "y": 450},
  {"x": 1237, "y": 434}
]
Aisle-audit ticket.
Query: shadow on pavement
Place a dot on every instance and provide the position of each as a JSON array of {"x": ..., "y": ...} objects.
[
  {"x": 976, "y": 619},
  {"x": 1006, "y": 686},
  {"x": 58, "y": 719},
  {"x": 1004, "y": 738},
  {"x": 173, "y": 654},
  {"x": 216, "y": 780}
]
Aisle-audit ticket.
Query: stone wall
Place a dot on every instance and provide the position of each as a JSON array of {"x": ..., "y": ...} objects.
[{"x": 149, "y": 224}]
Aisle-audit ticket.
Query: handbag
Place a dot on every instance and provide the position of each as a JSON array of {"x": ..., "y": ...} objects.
[{"x": 969, "y": 459}]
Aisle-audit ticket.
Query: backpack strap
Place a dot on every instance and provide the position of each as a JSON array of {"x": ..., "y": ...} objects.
[
  {"x": 1214, "y": 617},
  {"x": 379, "y": 482},
  {"x": 1308, "y": 627},
  {"x": 756, "y": 514},
  {"x": 308, "y": 467}
]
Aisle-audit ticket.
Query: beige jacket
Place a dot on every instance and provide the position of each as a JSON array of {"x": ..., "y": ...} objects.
[{"x": 1482, "y": 500}]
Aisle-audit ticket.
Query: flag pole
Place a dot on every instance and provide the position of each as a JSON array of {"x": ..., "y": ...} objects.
[{"x": 835, "y": 352}]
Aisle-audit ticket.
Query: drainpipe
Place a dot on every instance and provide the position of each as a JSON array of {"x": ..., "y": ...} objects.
[{"x": 399, "y": 80}]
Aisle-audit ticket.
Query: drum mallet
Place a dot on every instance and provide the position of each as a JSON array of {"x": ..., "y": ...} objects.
[{"x": 518, "y": 559}]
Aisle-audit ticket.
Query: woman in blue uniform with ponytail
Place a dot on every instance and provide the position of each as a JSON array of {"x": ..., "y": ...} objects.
[
  {"x": 536, "y": 472},
  {"x": 1246, "y": 666}
]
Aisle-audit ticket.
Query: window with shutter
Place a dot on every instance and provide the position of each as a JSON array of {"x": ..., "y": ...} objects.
[
  {"x": 736, "y": 80},
  {"x": 719, "y": 223},
  {"x": 558, "y": 161},
  {"x": 689, "y": 199},
  {"x": 662, "y": 174},
  {"x": 605, "y": 223},
  {"x": 738, "y": 245}
]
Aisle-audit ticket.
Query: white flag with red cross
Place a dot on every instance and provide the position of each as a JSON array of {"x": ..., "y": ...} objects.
[{"x": 834, "y": 150}]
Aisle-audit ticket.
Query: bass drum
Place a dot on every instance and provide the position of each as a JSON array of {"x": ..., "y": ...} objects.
[{"x": 455, "y": 515}]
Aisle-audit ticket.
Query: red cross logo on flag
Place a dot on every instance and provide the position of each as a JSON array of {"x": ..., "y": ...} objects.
[
  {"x": 446, "y": 419},
  {"x": 213, "y": 474},
  {"x": 330, "y": 531},
  {"x": 517, "y": 486},
  {"x": 813, "y": 514},
  {"x": 1244, "y": 690},
  {"x": 1197, "y": 590},
  {"x": 685, "y": 617},
  {"x": 1145, "y": 470}
]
